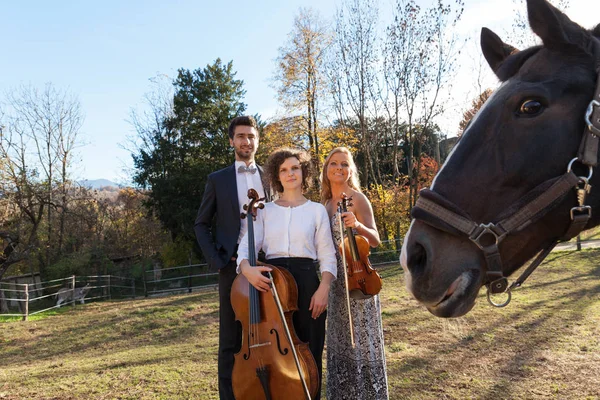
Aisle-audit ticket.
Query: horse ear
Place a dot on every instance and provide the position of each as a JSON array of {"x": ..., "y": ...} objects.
[
  {"x": 552, "y": 26},
  {"x": 494, "y": 49}
]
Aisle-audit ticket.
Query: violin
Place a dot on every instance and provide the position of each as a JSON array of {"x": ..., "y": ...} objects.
[
  {"x": 272, "y": 363},
  {"x": 363, "y": 280}
]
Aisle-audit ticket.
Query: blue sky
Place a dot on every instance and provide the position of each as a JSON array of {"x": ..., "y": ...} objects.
[{"x": 106, "y": 52}]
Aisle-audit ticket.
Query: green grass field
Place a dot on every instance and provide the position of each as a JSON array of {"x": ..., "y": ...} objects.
[{"x": 544, "y": 345}]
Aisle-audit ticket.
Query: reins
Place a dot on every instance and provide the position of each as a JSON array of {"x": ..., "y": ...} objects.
[{"x": 433, "y": 209}]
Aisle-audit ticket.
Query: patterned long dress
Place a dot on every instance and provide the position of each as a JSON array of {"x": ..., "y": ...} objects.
[{"x": 354, "y": 373}]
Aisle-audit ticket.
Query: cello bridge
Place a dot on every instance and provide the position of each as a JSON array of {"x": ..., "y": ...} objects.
[{"x": 260, "y": 345}]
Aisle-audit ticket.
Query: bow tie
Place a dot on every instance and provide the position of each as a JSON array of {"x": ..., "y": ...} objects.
[{"x": 242, "y": 169}]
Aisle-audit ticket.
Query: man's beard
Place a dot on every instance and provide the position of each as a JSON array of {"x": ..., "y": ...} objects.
[{"x": 244, "y": 155}]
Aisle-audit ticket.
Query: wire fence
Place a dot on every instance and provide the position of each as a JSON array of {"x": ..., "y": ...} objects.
[
  {"x": 187, "y": 278},
  {"x": 27, "y": 299}
]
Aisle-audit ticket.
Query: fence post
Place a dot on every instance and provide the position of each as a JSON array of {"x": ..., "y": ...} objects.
[
  {"x": 26, "y": 302},
  {"x": 190, "y": 279},
  {"x": 109, "y": 287},
  {"x": 3, "y": 303},
  {"x": 73, "y": 290},
  {"x": 133, "y": 287},
  {"x": 578, "y": 242},
  {"x": 144, "y": 282}
]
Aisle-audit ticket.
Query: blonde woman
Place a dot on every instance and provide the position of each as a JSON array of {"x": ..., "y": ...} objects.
[{"x": 360, "y": 372}]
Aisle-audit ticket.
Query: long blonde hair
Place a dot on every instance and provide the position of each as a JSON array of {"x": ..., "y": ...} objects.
[{"x": 354, "y": 181}]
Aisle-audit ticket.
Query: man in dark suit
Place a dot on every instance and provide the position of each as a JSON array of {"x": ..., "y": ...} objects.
[{"x": 224, "y": 196}]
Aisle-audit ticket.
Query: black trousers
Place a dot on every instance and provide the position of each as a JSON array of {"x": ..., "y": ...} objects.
[
  {"x": 230, "y": 332},
  {"x": 304, "y": 271}
]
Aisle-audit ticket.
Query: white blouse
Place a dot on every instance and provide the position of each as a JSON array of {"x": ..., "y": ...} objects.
[{"x": 301, "y": 231}]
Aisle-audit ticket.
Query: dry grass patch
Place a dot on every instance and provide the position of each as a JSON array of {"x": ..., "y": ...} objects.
[{"x": 545, "y": 344}]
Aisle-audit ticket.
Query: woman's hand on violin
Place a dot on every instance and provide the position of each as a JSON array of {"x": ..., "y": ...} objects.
[
  {"x": 255, "y": 276},
  {"x": 318, "y": 302},
  {"x": 350, "y": 220}
]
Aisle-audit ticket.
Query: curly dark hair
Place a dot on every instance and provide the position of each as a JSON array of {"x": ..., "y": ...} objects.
[
  {"x": 277, "y": 158},
  {"x": 243, "y": 120}
]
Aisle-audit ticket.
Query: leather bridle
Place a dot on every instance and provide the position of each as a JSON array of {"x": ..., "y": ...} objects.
[{"x": 433, "y": 209}]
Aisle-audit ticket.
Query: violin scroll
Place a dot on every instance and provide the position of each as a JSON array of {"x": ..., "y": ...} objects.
[{"x": 344, "y": 203}]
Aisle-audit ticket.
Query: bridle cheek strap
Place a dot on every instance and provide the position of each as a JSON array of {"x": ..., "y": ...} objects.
[
  {"x": 588, "y": 150},
  {"x": 488, "y": 236}
]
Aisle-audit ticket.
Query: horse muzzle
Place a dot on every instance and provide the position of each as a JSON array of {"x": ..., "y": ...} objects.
[{"x": 442, "y": 272}]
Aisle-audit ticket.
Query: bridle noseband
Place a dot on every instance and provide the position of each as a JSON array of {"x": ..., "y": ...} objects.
[{"x": 431, "y": 207}]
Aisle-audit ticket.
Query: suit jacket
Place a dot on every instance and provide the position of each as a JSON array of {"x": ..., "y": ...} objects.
[{"x": 220, "y": 202}]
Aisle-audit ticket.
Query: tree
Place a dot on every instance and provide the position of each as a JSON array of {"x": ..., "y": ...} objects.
[
  {"x": 151, "y": 120},
  {"x": 184, "y": 145},
  {"x": 521, "y": 36},
  {"x": 280, "y": 133},
  {"x": 299, "y": 77},
  {"x": 421, "y": 50},
  {"x": 352, "y": 74},
  {"x": 393, "y": 69},
  {"x": 129, "y": 230},
  {"x": 34, "y": 182},
  {"x": 475, "y": 106}
]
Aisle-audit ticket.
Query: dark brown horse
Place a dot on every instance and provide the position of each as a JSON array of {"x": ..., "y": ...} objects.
[{"x": 520, "y": 177}]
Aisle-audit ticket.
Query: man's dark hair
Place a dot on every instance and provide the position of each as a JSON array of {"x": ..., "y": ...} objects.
[
  {"x": 243, "y": 120},
  {"x": 278, "y": 157}
]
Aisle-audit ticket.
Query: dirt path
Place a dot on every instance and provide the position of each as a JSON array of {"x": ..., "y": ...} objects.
[{"x": 568, "y": 246}]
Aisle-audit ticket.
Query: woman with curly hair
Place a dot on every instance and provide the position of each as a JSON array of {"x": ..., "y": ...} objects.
[{"x": 295, "y": 234}]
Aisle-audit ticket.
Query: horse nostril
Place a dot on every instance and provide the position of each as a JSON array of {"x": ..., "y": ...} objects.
[{"x": 417, "y": 259}]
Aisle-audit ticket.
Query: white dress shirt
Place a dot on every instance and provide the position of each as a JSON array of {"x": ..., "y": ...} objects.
[
  {"x": 244, "y": 182},
  {"x": 301, "y": 231}
]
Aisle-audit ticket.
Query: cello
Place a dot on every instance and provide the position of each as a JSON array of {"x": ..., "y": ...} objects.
[
  {"x": 272, "y": 363},
  {"x": 363, "y": 280}
]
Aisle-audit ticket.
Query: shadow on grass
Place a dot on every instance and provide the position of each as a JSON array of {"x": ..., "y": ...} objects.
[
  {"x": 512, "y": 341},
  {"x": 112, "y": 326},
  {"x": 58, "y": 370},
  {"x": 539, "y": 335},
  {"x": 518, "y": 339}
]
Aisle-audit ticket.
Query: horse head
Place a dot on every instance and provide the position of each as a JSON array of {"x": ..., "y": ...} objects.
[{"x": 475, "y": 225}]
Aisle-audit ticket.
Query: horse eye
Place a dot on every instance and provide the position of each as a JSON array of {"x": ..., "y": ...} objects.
[{"x": 530, "y": 107}]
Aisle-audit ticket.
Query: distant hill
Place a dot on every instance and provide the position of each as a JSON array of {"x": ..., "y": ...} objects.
[{"x": 98, "y": 183}]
